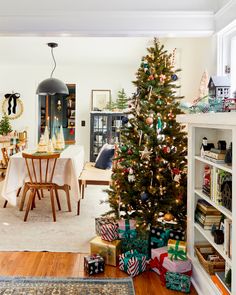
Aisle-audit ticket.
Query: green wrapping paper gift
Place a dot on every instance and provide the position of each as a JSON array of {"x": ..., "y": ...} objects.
[
  {"x": 140, "y": 243},
  {"x": 178, "y": 282},
  {"x": 177, "y": 250},
  {"x": 127, "y": 228}
]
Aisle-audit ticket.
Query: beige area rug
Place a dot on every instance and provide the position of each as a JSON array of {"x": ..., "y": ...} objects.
[{"x": 70, "y": 233}]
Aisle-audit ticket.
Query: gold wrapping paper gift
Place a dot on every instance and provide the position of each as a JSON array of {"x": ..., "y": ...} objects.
[
  {"x": 108, "y": 250},
  {"x": 177, "y": 250}
]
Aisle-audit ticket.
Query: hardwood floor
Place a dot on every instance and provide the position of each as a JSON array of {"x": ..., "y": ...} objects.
[{"x": 71, "y": 265}]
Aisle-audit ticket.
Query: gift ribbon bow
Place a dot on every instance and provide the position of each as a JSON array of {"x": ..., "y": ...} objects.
[
  {"x": 162, "y": 240},
  {"x": 130, "y": 254},
  {"x": 177, "y": 253},
  {"x": 127, "y": 232}
]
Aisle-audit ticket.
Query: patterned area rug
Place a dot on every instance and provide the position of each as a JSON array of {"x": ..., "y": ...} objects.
[
  {"x": 65, "y": 286},
  {"x": 40, "y": 233}
]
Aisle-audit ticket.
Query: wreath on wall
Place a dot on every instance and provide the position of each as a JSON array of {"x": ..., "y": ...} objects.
[{"x": 12, "y": 105}]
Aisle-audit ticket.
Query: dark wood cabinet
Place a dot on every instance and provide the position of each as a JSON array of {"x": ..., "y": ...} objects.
[
  {"x": 58, "y": 110},
  {"x": 105, "y": 128}
]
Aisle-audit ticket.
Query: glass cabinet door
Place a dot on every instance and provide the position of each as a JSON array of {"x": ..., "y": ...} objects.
[
  {"x": 56, "y": 111},
  {"x": 105, "y": 128}
]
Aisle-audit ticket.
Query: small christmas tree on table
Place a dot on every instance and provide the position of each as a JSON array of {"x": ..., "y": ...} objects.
[
  {"x": 149, "y": 172},
  {"x": 122, "y": 100},
  {"x": 5, "y": 126}
]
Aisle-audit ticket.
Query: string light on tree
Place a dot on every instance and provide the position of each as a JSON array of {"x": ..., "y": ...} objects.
[{"x": 151, "y": 163}]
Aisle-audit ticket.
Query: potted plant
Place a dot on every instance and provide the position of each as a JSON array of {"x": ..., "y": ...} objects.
[{"x": 5, "y": 129}]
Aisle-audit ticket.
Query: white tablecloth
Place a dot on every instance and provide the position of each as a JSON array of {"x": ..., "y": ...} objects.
[{"x": 68, "y": 169}]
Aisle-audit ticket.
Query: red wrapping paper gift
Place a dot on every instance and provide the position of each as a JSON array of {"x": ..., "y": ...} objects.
[{"x": 160, "y": 263}]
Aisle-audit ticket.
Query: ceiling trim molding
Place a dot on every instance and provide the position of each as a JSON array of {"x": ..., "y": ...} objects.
[
  {"x": 225, "y": 16},
  {"x": 107, "y": 23}
]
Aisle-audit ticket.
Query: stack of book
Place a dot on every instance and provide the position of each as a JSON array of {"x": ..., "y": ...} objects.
[
  {"x": 215, "y": 155},
  {"x": 207, "y": 179},
  {"x": 206, "y": 215}
]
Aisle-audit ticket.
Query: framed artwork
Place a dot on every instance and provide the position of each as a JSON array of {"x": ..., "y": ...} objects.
[{"x": 100, "y": 99}]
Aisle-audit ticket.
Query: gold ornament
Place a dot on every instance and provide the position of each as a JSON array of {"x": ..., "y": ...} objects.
[
  {"x": 168, "y": 217},
  {"x": 145, "y": 154}
]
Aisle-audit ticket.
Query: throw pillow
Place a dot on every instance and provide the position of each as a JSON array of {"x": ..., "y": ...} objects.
[{"x": 104, "y": 158}]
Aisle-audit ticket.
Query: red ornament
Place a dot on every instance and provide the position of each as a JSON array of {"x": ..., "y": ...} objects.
[
  {"x": 130, "y": 152},
  {"x": 171, "y": 115},
  {"x": 176, "y": 171},
  {"x": 151, "y": 77},
  {"x": 158, "y": 159},
  {"x": 149, "y": 121},
  {"x": 166, "y": 149}
]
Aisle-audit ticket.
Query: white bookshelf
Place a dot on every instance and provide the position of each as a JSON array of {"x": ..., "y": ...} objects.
[{"x": 215, "y": 126}]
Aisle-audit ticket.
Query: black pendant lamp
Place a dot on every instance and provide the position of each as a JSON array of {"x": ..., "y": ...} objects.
[{"x": 52, "y": 86}]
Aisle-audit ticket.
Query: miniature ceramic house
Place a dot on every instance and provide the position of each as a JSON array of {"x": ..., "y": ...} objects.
[{"x": 219, "y": 87}]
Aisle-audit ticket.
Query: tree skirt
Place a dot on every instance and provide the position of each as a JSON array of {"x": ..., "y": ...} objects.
[
  {"x": 65, "y": 286},
  {"x": 70, "y": 233}
]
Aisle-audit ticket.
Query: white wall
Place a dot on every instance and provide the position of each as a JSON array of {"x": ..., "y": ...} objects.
[{"x": 193, "y": 56}]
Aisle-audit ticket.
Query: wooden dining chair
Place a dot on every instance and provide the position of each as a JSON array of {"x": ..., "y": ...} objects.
[
  {"x": 41, "y": 170},
  {"x": 6, "y": 159}
]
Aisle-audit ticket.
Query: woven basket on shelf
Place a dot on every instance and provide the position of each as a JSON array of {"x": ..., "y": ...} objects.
[{"x": 202, "y": 251}]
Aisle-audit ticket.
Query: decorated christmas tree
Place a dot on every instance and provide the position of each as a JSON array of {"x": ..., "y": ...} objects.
[
  {"x": 122, "y": 100},
  {"x": 5, "y": 126},
  {"x": 149, "y": 171}
]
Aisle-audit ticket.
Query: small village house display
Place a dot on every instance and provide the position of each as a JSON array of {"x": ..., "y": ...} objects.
[
  {"x": 219, "y": 90},
  {"x": 219, "y": 87}
]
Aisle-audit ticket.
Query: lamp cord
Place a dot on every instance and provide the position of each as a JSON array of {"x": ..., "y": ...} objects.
[{"x": 55, "y": 64}]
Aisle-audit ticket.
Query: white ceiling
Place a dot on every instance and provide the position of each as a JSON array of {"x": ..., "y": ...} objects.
[
  {"x": 26, "y": 27},
  {"x": 106, "y": 17},
  {"x": 29, "y": 7}
]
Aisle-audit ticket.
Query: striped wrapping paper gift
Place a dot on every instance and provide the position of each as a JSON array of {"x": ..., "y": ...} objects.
[
  {"x": 109, "y": 232},
  {"x": 132, "y": 262}
]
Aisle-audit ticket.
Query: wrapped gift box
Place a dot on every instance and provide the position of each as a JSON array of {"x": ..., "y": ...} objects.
[
  {"x": 178, "y": 282},
  {"x": 160, "y": 261},
  {"x": 177, "y": 234},
  {"x": 132, "y": 262},
  {"x": 94, "y": 264},
  {"x": 177, "y": 250},
  {"x": 99, "y": 221},
  {"x": 127, "y": 228},
  {"x": 108, "y": 250},
  {"x": 140, "y": 244},
  {"x": 109, "y": 232},
  {"x": 161, "y": 235}
]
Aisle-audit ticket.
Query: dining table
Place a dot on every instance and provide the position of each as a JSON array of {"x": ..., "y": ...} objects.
[{"x": 68, "y": 169}]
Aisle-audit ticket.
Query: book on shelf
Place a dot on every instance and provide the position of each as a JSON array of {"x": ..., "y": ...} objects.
[
  {"x": 213, "y": 155},
  {"x": 206, "y": 217},
  {"x": 214, "y": 160},
  {"x": 207, "y": 208},
  {"x": 218, "y": 151},
  {"x": 214, "y": 180},
  {"x": 220, "y": 285},
  {"x": 228, "y": 237},
  {"x": 205, "y": 227}
]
